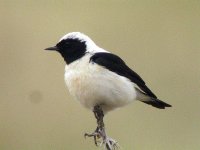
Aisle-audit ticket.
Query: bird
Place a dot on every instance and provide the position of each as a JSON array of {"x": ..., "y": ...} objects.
[{"x": 101, "y": 81}]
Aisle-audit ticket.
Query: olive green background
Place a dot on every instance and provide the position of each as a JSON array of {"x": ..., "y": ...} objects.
[{"x": 159, "y": 39}]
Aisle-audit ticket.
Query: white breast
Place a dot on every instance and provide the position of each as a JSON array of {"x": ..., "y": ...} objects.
[{"x": 92, "y": 84}]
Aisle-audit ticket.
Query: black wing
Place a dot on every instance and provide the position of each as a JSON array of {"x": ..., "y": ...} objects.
[{"x": 115, "y": 64}]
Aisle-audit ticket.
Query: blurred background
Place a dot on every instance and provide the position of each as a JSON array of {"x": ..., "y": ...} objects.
[{"x": 158, "y": 39}]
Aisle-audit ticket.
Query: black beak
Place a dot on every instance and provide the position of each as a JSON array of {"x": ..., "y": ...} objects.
[{"x": 54, "y": 48}]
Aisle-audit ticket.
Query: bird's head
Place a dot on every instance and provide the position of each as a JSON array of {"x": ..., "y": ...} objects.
[{"x": 73, "y": 46}]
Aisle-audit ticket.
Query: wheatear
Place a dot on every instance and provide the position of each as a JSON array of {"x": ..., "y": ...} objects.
[{"x": 101, "y": 81}]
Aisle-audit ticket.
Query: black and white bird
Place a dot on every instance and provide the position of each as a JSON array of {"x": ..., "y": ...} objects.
[{"x": 101, "y": 81}]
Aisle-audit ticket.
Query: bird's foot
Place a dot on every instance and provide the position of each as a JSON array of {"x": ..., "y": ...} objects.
[
  {"x": 99, "y": 135},
  {"x": 96, "y": 135},
  {"x": 101, "y": 139},
  {"x": 110, "y": 144}
]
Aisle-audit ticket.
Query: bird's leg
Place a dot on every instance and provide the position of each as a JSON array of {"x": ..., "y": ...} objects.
[
  {"x": 109, "y": 143},
  {"x": 98, "y": 113}
]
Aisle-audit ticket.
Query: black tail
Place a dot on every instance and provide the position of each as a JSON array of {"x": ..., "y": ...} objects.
[{"x": 157, "y": 103}]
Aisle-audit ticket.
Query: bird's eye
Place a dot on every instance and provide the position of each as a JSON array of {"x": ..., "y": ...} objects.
[
  {"x": 66, "y": 43},
  {"x": 63, "y": 44}
]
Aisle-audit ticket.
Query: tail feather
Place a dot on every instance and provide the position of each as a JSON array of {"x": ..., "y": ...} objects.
[
  {"x": 157, "y": 103},
  {"x": 143, "y": 97}
]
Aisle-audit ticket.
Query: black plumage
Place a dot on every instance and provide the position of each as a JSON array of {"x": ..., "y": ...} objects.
[
  {"x": 71, "y": 49},
  {"x": 115, "y": 64}
]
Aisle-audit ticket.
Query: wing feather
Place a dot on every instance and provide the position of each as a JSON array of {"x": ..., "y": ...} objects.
[{"x": 115, "y": 64}]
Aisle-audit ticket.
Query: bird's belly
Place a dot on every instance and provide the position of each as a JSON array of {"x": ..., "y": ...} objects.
[{"x": 99, "y": 87}]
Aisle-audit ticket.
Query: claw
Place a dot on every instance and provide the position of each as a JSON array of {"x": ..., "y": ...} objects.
[
  {"x": 95, "y": 135},
  {"x": 99, "y": 135},
  {"x": 110, "y": 144}
]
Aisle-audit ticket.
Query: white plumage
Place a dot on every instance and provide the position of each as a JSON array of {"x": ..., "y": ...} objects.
[
  {"x": 92, "y": 85},
  {"x": 101, "y": 81}
]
